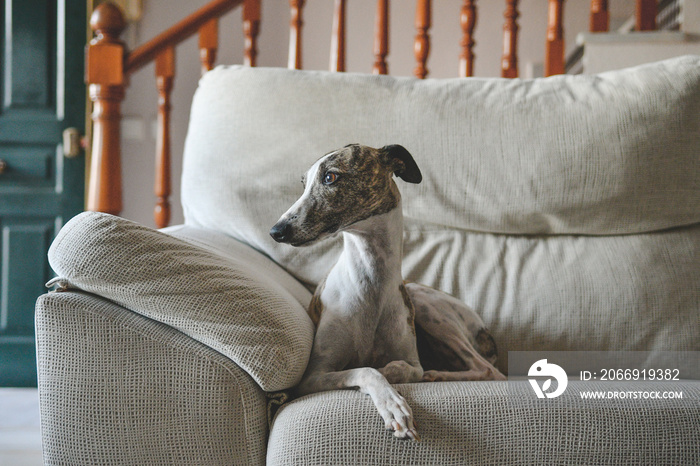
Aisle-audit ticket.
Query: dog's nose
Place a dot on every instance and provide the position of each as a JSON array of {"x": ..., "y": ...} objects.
[{"x": 281, "y": 231}]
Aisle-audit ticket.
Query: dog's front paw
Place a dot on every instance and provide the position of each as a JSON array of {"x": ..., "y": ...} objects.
[
  {"x": 397, "y": 415},
  {"x": 433, "y": 376}
]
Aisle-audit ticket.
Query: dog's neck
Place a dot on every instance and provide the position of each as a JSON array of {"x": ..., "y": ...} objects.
[{"x": 372, "y": 251}]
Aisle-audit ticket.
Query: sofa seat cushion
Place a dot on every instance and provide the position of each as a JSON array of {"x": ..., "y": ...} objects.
[
  {"x": 498, "y": 423},
  {"x": 238, "y": 304}
]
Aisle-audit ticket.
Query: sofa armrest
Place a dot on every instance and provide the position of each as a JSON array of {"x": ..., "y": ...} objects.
[
  {"x": 116, "y": 387},
  {"x": 229, "y": 302}
]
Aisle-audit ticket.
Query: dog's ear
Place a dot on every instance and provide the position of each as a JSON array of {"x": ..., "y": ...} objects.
[{"x": 401, "y": 163}]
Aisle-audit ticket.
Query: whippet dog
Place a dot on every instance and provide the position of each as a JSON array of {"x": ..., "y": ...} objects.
[{"x": 373, "y": 329}]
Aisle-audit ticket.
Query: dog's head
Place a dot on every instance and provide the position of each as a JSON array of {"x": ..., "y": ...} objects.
[{"x": 344, "y": 187}]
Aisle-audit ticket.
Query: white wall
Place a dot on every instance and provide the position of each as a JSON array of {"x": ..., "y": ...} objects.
[{"x": 140, "y": 106}]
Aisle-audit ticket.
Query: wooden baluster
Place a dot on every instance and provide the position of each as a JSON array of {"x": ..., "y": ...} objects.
[
  {"x": 208, "y": 44},
  {"x": 165, "y": 71},
  {"x": 467, "y": 20},
  {"x": 421, "y": 45},
  {"x": 338, "y": 37},
  {"x": 646, "y": 15},
  {"x": 251, "y": 29},
  {"x": 554, "y": 53},
  {"x": 104, "y": 72},
  {"x": 600, "y": 17},
  {"x": 509, "y": 63},
  {"x": 381, "y": 38},
  {"x": 295, "y": 26}
]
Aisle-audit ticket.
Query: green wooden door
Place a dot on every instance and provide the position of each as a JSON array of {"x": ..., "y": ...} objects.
[{"x": 40, "y": 189}]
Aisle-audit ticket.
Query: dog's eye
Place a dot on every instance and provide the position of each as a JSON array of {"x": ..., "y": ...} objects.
[{"x": 330, "y": 178}]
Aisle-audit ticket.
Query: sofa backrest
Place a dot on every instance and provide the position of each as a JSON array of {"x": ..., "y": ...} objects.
[{"x": 561, "y": 208}]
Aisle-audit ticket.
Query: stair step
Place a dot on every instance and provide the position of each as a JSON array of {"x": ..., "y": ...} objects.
[
  {"x": 608, "y": 51},
  {"x": 645, "y": 38}
]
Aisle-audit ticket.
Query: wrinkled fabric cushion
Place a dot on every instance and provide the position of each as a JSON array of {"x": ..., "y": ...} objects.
[
  {"x": 227, "y": 303},
  {"x": 615, "y": 153},
  {"x": 493, "y": 423},
  {"x": 568, "y": 293},
  {"x": 237, "y": 252}
]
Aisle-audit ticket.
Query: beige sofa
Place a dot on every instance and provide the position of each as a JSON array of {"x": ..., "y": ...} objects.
[{"x": 565, "y": 210}]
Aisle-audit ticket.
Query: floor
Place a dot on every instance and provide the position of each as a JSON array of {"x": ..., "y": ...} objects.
[{"x": 20, "y": 437}]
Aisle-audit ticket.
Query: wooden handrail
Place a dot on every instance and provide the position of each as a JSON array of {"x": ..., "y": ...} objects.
[{"x": 179, "y": 32}]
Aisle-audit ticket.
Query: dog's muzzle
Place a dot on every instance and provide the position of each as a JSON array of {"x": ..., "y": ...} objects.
[{"x": 281, "y": 232}]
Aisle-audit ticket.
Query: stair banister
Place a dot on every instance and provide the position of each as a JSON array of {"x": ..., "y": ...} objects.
[{"x": 108, "y": 65}]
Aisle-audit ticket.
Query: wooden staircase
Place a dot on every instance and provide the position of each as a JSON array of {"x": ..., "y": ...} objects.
[
  {"x": 675, "y": 31},
  {"x": 109, "y": 65}
]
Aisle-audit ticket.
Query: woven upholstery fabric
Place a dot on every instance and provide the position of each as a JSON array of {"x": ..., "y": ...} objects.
[
  {"x": 615, "y": 153},
  {"x": 118, "y": 388},
  {"x": 233, "y": 304},
  {"x": 493, "y": 423}
]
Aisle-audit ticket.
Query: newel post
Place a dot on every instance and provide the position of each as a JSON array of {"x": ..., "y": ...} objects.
[{"x": 104, "y": 73}]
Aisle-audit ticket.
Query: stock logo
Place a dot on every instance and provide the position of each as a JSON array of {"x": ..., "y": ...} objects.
[{"x": 542, "y": 368}]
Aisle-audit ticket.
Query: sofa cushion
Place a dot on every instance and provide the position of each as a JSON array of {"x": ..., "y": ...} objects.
[
  {"x": 568, "y": 293},
  {"x": 236, "y": 304},
  {"x": 494, "y": 423},
  {"x": 615, "y": 153},
  {"x": 563, "y": 209}
]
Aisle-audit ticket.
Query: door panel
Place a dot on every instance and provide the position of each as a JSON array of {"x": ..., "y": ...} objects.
[
  {"x": 42, "y": 94},
  {"x": 23, "y": 243},
  {"x": 29, "y": 166},
  {"x": 29, "y": 56}
]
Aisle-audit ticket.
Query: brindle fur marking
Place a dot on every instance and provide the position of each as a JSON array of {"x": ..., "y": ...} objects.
[
  {"x": 371, "y": 192},
  {"x": 411, "y": 319}
]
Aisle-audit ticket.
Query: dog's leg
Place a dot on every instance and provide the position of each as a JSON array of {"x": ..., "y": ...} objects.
[
  {"x": 452, "y": 340},
  {"x": 402, "y": 372},
  {"x": 461, "y": 376},
  {"x": 466, "y": 365},
  {"x": 392, "y": 407}
]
